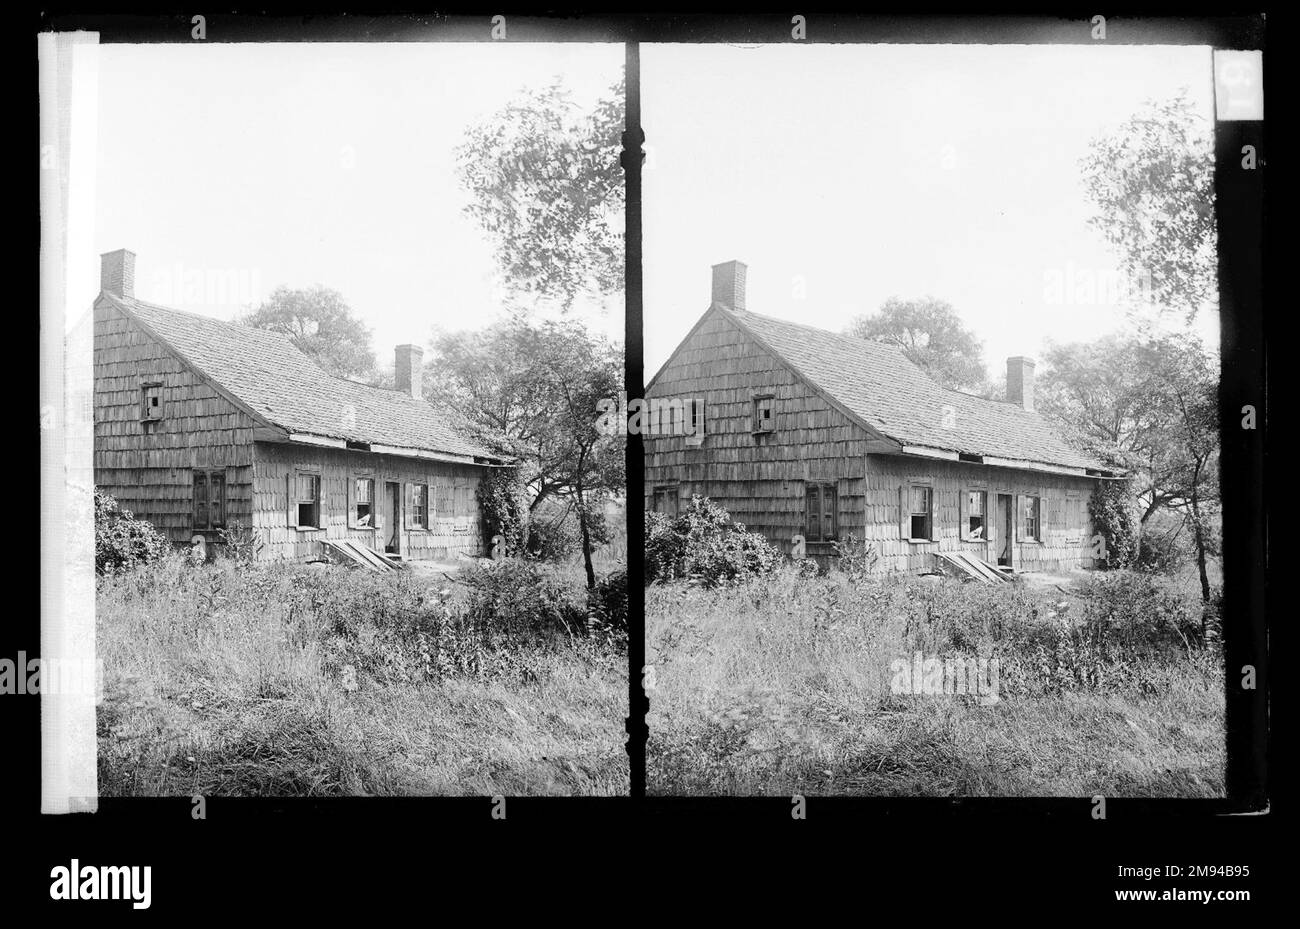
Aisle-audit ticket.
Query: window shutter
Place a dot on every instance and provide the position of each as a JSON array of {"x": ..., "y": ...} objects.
[
  {"x": 352, "y": 500},
  {"x": 200, "y": 517},
  {"x": 217, "y": 499},
  {"x": 963, "y": 514},
  {"x": 991, "y": 516},
  {"x": 934, "y": 512},
  {"x": 291, "y": 503},
  {"x": 406, "y": 510},
  {"x": 319, "y": 483},
  {"x": 1042, "y": 515},
  {"x": 1018, "y": 519},
  {"x": 904, "y": 510}
]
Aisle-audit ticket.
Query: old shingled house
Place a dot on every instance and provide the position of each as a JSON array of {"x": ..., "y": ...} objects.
[
  {"x": 200, "y": 424},
  {"x": 811, "y": 437}
]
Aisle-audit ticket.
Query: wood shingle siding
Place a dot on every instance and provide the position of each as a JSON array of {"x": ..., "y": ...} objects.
[
  {"x": 235, "y": 414},
  {"x": 149, "y": 466},
  {"x": 453, "y": 524},
  {"x": 852, "y": 424}
]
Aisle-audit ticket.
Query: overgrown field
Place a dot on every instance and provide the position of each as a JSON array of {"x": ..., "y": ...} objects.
[
  {"x": 294, "y": 680},
  {"x": 787, "y": 683}
]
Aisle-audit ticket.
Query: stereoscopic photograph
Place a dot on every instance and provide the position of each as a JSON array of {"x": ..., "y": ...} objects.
[
  {"x": 353, "y": 532},
  {"x": 931, "y": 457}
]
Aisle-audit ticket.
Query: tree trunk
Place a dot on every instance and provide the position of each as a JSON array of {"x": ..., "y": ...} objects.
[
  {"x": 1200, "y": 552},
  {"x": 586, "y": 538}
]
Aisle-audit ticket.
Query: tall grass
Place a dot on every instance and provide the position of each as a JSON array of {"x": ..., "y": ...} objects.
[
  {"x": 288, "y": 680},
  {"x": 784, "y": 684}
]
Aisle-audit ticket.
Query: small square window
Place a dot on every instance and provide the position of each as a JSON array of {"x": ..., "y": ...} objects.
[
  {"x": 764, "y": 413},
  {"x": 151, "y": 402}
]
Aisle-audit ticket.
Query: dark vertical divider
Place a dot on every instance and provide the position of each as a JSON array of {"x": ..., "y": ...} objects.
[{"x": 633, "y": 138}]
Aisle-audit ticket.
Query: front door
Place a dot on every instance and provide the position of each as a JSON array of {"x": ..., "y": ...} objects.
[
  {"x": 393, "y": 517},
  {"x": 1005, "y": 530}
]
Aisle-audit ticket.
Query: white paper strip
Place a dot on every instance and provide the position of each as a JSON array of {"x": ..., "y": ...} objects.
[{"x": 69, "y": 99}]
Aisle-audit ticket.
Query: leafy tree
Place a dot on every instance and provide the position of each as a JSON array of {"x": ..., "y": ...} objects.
[
  {"x": 1148, "y": 406},
  {"x": 547, "y": 188},
  {"x": 1152, "y": 182},
  {"x": 322, "y": 326},
  {"x": 931, "y": 334},
  {"x": 530, "y": 390}
]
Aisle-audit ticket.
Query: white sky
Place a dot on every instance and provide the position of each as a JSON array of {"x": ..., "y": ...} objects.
[
  {"x": 877, "y": 171},
  {"x": 228, "y": 165}
]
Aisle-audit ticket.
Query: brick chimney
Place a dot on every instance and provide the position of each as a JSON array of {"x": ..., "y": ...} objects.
[
  {"x": 729, "y": 284},
  {"x": 1020, "y": 381},
  {"x": 117, "y": 273},
  {"x": 409, "y": 369}
]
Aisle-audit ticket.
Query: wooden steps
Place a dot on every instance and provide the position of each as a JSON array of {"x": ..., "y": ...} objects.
[
  {"x": 349, "y": 551},
  {"x": 966, "y": 565}
]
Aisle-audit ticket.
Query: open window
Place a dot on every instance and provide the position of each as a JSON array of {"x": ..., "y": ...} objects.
[
  {"x": 305, "y": 500},
  {"x": 362, "y": 505},
  {"x": 764, "y": 413},
  {"x": 975, "y": 515},
  {"x": 209, "y": 500},
  {"x": 152, "y": 408},
  {"x": 916, "y": 506},
  {"x": 821, "y": 513}
]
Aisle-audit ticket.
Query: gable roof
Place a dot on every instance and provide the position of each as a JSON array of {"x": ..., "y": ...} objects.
[
  {"x": 889, "y": 395},
  {"x": 267, "y": 374}
]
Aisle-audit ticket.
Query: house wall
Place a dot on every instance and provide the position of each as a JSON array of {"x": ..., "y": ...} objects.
[
  {"x": 149, "y": 467},
  {"x": 1064, "y": 541},
  {"x": 757, "y": 478},
  {"x": 760, "y": 479},
  {"x": 454, "y": 524}
]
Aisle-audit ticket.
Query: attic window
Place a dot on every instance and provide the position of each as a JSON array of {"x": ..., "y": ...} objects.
[
  {"x": 695, "y": 422},
  {"x": 965, "y": 456},
  {"x": 151, "y": 401},
  {"x": 764, "y": 413}
]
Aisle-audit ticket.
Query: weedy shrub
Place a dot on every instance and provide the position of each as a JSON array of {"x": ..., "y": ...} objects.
[
  {"x": 123, "y": 542},
  {"x": 607, "y": 604},
  {"x": 525, "y": 598},
  {"x": 704, "y": 546}
]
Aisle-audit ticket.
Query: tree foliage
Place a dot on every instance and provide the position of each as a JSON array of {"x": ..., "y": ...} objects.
[
  {"x": 932, "y": 336},
  {"x": 530, "y": 391},
  {"x": 546, "y": 185},
  {"x": 1153, "y": 185},
  {"x": 321, "y": 324},
  {"x": 1147, "y": 406}
]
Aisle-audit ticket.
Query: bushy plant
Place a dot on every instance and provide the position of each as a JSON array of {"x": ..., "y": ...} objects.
[
  {"x": 503, "y": 507},
  {"x": 525, "y": 598},
  {"x": 1112, "y": 519},
  {"x": 122, "y": 541},
  {"x": 703, "y": 545}
]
